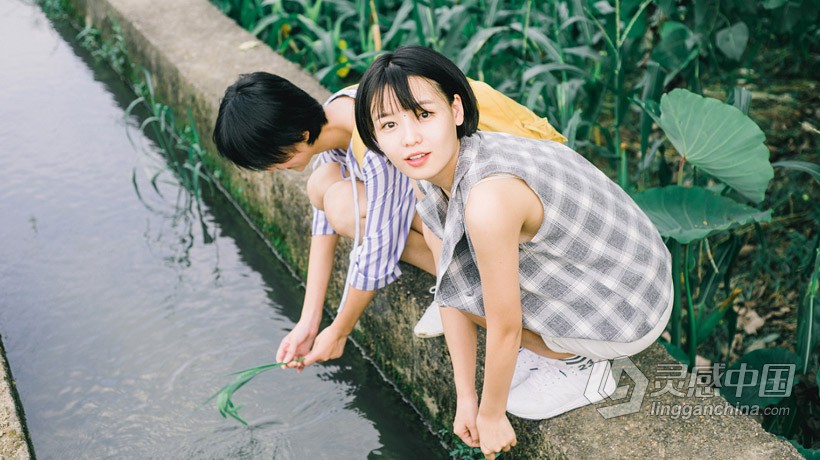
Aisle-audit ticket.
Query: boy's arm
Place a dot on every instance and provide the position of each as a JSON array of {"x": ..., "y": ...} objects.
[
  {"x": 389, "y": 211},
  {"x": 330, "y": 343},
  {"x": 320, "y": 265}
]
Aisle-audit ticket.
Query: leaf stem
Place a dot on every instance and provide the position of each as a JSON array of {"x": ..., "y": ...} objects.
[{"x": 692, "y": 338}]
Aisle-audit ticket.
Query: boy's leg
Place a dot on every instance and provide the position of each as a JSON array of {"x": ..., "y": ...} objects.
[
  {"x": 331, "y": 193},
  {"x": 336, "y": 196},
  {"x": 321, "y": 179},
  {"x": 337, "y": 203}
]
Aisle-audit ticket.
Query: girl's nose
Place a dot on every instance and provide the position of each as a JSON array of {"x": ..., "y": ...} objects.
[{"x": 412, "y": 133}]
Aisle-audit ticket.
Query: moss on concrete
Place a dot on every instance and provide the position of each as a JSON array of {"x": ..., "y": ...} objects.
[{"x": 14, "y": 444}]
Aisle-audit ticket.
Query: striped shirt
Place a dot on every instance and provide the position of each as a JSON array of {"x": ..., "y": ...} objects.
[
  {"x": 390, "y": 211},
  {"x": 596, "y": 269}
]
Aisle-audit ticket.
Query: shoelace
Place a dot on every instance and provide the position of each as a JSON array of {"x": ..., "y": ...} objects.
[{"x": 546, "y": 374}]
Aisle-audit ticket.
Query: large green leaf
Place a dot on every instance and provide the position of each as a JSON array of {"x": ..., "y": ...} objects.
[
  {"x": 732, "y": 40},
  {"x": 719, "y": 139},
  {"x": 689, "y": 214},
  {"x": 760, "y": 378},
  {"x": 808, "y": 318}
]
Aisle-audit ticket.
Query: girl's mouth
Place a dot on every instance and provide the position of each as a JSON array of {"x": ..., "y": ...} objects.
[{"x": 417, "y": 159}]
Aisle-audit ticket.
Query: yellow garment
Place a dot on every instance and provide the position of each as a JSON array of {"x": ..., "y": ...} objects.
[{"x": 497, "y": 113}]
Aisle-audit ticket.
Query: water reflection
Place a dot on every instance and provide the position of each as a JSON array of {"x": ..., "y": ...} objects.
[{"x": 125, "y": 303}]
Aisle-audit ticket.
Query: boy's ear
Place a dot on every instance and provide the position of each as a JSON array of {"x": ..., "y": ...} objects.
[
  {"x": 458, "y": 110},
  {"x": 305, "y": 136}
]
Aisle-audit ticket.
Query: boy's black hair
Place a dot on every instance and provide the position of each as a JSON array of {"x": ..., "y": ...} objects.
[
  {"x": 261, "y": 117},
  {"x": 391, "y": 70}
]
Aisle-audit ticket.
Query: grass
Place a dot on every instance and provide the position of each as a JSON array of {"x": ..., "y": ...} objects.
[{"x": 224, "y": 397}]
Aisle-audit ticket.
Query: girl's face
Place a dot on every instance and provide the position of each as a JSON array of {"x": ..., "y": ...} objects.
[{"x": 424, "y": 145}]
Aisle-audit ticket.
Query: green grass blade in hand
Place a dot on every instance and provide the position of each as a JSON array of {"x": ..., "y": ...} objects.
[{"x": 224, "y": 401}]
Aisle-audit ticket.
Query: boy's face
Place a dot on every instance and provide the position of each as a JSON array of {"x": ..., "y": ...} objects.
[
  {"x": 421, "y": 145},
  {"x": 301, "y": 154}
]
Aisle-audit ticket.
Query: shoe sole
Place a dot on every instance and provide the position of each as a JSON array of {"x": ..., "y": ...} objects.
[{"x": 426, "y": 335}]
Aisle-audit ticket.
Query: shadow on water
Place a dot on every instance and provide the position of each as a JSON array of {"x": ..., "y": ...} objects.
[{"x": 125, "y": 306}]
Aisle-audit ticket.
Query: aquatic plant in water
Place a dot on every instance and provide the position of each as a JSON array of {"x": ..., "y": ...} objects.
[{"x": 224, "y": 397}]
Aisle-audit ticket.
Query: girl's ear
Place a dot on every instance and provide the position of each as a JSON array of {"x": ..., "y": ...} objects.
[{"x": 458, "y": 110}]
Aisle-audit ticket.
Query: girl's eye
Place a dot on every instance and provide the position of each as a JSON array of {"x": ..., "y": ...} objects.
[
  {"x": 388, "y": 125},
  {"x": 425, "y": 114}
]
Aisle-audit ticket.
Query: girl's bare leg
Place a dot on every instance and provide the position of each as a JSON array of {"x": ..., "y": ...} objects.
[{"x": 529, "y": 339}]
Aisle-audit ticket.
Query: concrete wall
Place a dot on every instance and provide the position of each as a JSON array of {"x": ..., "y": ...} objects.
[
  {"x": 193, "y": 53},
  {"x": 13, "y": 444}
]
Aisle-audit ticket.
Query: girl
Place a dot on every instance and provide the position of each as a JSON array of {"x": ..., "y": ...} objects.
[{"x": 531, "y": 241}]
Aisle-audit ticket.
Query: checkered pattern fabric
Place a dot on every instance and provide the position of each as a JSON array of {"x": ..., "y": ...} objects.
[{"x": 596, "y": 269}]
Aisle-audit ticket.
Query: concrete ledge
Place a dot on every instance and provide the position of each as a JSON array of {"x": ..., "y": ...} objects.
[
  {"x": 193, "y": 53},
  {"x": 13, "y": 442}
]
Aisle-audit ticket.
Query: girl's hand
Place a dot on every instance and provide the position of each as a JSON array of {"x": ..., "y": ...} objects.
[
  {"x": 329, "y": 344},
  {"x": 497, "y": 435},
  {"x": 296, "y": 345},
  {"x": 464, "y": 425}
]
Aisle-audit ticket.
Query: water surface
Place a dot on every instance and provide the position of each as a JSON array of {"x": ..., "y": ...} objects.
[{"x": 122, "y": 308}]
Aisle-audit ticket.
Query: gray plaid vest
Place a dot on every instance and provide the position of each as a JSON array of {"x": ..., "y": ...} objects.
[{"x": 596, "y": 269}]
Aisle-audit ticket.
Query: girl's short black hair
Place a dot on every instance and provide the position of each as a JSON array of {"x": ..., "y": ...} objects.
[
  {"x": 392, "y": 70},
  {"x": 262, "y": 117}
]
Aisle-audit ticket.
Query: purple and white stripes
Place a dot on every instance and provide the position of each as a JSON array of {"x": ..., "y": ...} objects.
[{"x": 390, "y": 210}]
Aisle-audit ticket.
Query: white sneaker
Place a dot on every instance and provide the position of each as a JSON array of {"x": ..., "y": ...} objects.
[
  {"x": 526, "y": 362},
  {"x": 430, "y": 323},
  {"x": 551, "y": 390}
]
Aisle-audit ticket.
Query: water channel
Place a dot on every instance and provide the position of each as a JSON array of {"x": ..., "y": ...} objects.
[{"x": 123, "y": 308}]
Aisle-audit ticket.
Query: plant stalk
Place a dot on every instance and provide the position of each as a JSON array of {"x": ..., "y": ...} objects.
[
  {"x": 692, "y": 337},
  {"x": 675, "y": 322}
]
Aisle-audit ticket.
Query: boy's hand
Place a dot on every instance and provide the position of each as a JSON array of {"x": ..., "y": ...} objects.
[
  {"x": 464, "y": 425},
  {"x": 329, "y": 344},
  {"x": 296, "y": 345},
  {"x": 496, "y": 433}
]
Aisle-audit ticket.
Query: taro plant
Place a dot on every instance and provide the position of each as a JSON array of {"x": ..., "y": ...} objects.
[
  {"x": 787, "y": 379},
  {"x": 723, "y": 168},
  {"x": 719, "y": 141}
]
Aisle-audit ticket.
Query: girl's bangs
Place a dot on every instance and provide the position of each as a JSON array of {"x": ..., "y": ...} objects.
[{"x": 392, "y": 92}]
